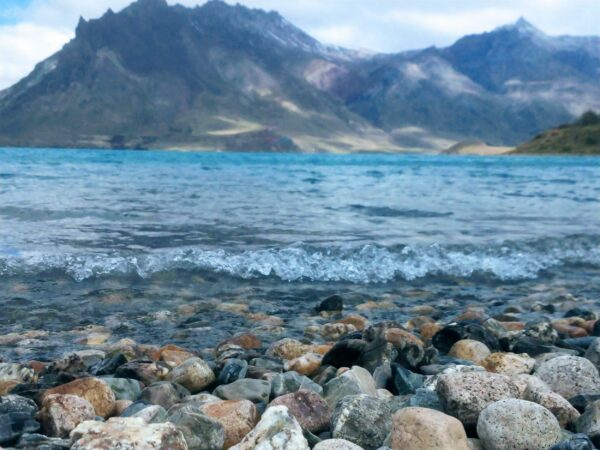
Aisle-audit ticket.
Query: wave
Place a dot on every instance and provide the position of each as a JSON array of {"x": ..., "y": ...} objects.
[{"x": 299, "y": 262}]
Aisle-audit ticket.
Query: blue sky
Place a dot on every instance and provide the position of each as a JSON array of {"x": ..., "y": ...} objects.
[{"x": 31, "y": 30}]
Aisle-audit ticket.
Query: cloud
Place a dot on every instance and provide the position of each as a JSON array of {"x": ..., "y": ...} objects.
[{"x": 39, "y": 28}]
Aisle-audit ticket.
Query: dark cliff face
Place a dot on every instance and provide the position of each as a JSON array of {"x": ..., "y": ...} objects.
[{"x": 230, "y": 77}]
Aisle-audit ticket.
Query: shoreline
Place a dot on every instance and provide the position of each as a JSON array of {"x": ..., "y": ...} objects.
[{"x": 470, "y": 367}]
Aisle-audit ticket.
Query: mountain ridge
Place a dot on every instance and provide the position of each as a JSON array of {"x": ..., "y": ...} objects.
[{"x": 233, "y": 78}]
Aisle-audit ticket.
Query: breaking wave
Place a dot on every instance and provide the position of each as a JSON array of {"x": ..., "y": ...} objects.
[{"x": 365, "y": 264}]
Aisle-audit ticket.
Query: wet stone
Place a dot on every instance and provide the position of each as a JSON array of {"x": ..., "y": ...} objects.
[
  {"x": 289, "y": 382},
  {"x": 200, "y": 432},
  {"x": 164, "y": 393},
  {"x": 233, "y": 370},
  {"x": 246, "y": 389}
]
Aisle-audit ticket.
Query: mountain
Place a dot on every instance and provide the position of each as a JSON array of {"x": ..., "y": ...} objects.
[
  {"x": 579, "y": 138},
  {"x": 233, "y": 78}
]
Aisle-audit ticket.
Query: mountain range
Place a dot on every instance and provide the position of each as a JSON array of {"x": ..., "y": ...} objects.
[{"x": 233, "y": 78}]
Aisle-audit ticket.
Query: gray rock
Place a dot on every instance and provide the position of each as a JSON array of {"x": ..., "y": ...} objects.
[
  {"x": 353, "y": 382},
  {"x": 517, "y": 424},
  {"x": 194, "y": 374},
  {"x": 593, "y": 353},
  {"x": 163, "y": 393},
  {"x": 124, "y": 388},
  {"x": 575, "y": 442},
  {"x": 570, "y": 376},
  {"x": 17, "y": 404},
  {"x": 363, "y": 420},
  {"x": 289, "y": 382},
  {"x": 41, "y": 442},
  {"x": 589, "y": 422},
  {"x": 233, "y": 370},
  {"x": 14, "y": 424},
  {"x": 247, "y": 389},
  {"x": 465, "y": 394},
  {"x": 152, "y": 414},
  {"x": 200, "y": 432}
]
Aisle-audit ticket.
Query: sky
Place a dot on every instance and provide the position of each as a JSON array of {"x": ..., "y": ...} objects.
[{"x": 32, "y": 30}]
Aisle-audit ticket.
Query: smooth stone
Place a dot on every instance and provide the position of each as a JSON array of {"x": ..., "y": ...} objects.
[
  {"x": 570, "y": 376},
  {"x": 289, "y": 382},
  {"x": 120, "y": 406},
  {"x": 248, "y": 341},
  {"x": 200, "y": 431},
  {"x": 508, "y": 363},
  {"x": 542, "y": 330},
  {"x": 94, "y": 390},
  {"x": 333, "y": 303},
  {"x": 277, "y": 430},
  {"x": 129, "y": 433},
  {"x": 465, "y": 394},
  {"x": 247, "y": 389},
  {"x": 163, "y": 393},
  {"x": 152, "y": 414},
  {"x": 266, "y": 363},
  {"x": 353, "y": 382},
  {"x": 60, "y": 414},
  {"x": 234, "y": 369},
  {"x": 566, "y": 414},
  {"x": 17, "y": 404},
  {"x": 426, "y": 398},
  {"x": 518, "y": 424},
  {"x": 309, "y": 409},
  {"x": 403, "y": 381},
  {"x": 15, "y": 424},
  {"x": 134, "y": 408},
  {"x": 201, "y": 399},
  {"x": 426, "y": 429},
  {"x": 124, "y": 388},
  {"x": 335, "y": 331},
  {"x": 238, "y": 418},
  {"x": 470, "y": 350},
  {"x": 194, "y": 375},
  {"x": 336, "y": 444},
  {"x": 362, "y": 420}
]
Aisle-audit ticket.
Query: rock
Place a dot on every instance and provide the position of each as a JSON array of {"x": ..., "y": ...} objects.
[
  {"x": 7, "y": 386},
  {"x": 470, "y": 350},
  {"x": 426, "y": 429},
  {"x": 147, "y": 372},
  {"x": 410, "y": 349},
  {"x": 60, "y": 414},
  {"x": 277, "y": 430},
  {"x": 163, "y": 393},
  {"x": 403, "y": 381},
  {"x": 593, "y": 353},
  {"x": 589, "y": 422},
  {"x": 570, "y": 376},
  {"x": 194, "y": 375},
  {"x": 127, "y": 433},
  {"x": 76, "y": 362},
  {"x": 517, "y": 424},
  {"x": 238, "y": 418},
  {"x": 108, "y": 366},
  {"x": 353, "y": 382},
  {"x": 41, "y": 442},
  {"x": 465, "y": 394},
  {"x": 332, "y": 303},
  {"x": 575, "y": 442},
  {"x": 17, "y": 404},
  {"x": 346, "y": 353},
  {"x": 152, "y": 414},
  {"x": 444, "y": 339},
  {"x": 94, "y": 390},
  {"x": 173, "y": 355},
  {"x": 288, "y": 349},
  {"x": 200, "y": 431},
  {"x": 247, "y": 389},
  {"x": 247, "y": 341},
  {"x": 309, "y": 409},
  {"x": 335, "y": 331},
  {"x": 17, "y": 372},
  {"x": 234, "y": 369},
  {"x": 120, "y": 406},
  {"x": 362, "y": 420},
  {"x": 201, "y": 399},
  {"x": 532, "y": 386},
  {"x": 508, "y": 363},
  {"x": 124, "y": 388},
  {"x": 307, "y": 364},
  {"x": 359, "y": 322},
  {"x": 289, "y": 382},
  {"x": 565, "y": 413},
  {"x": 336, "y": 444},
  {"x": 15, "y": 424}
]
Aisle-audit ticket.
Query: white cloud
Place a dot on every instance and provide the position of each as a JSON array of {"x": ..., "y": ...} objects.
[{"x": 384, "y": 25}]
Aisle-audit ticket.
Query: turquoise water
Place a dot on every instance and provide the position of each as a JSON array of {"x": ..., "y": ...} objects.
[
  {"x": 126, "y": 241},
  {"x": 357, "y": 218}
]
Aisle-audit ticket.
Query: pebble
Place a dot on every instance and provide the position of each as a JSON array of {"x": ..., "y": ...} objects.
[
  {"x": 199, "y": 431},
  {"x": 570, "y": 376},
  {"x": 60, "y": 414},
  {"x": 163, "y": 393},
  {"x": 517, "y": 424},
  {"x": 426, "y": 429},
  {"x": 247, "y": 389},
  {"x": 309, "y": 409},
  {"x": 238, "y": 418},
  {"x": 353, "y": 382},
  {"x": 508, "y": 363},
  {"x": 589, "y": 422},
  {"x": 307, "y": 364},
  {"x": 193, "y": 374},
  {"x": 94, "y": 390},
  {"x": 470, "y": 350},
  {"x": 362, "y": 420}
]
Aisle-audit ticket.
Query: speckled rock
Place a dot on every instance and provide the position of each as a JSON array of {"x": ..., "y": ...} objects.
[
  {"x": 336, "y": 444},
  {"x": 517, "y": 424},
  {"x": 152, "y": 414},
  {"x": 60, "y": 414},
  {"x": 288, "y": 349},
  {"x": 200, "y": 431},
  {"x": 570, "y": 376},
  {"x": 309, "y": 409},
  {"x": 353, "y": 382},
  {"x": 277, "y": 430},
  {"x": 238, "y": 418},
  {"x": 127, "y": 434},
  {"x": 508, "y": 363},
  {"x": 288, "y": 382},
  {"x": 470, "y": 350},
  {"x": 362, "y": 420},
  {"x": 565, "y": 412},
  {"x": 465, "y": 394},
  {"x": 426, "y": 429},
  {"x": 94, "y": 390},
  {"x": 589, "y": 422},
  {"x": 194, "y": 375}
]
